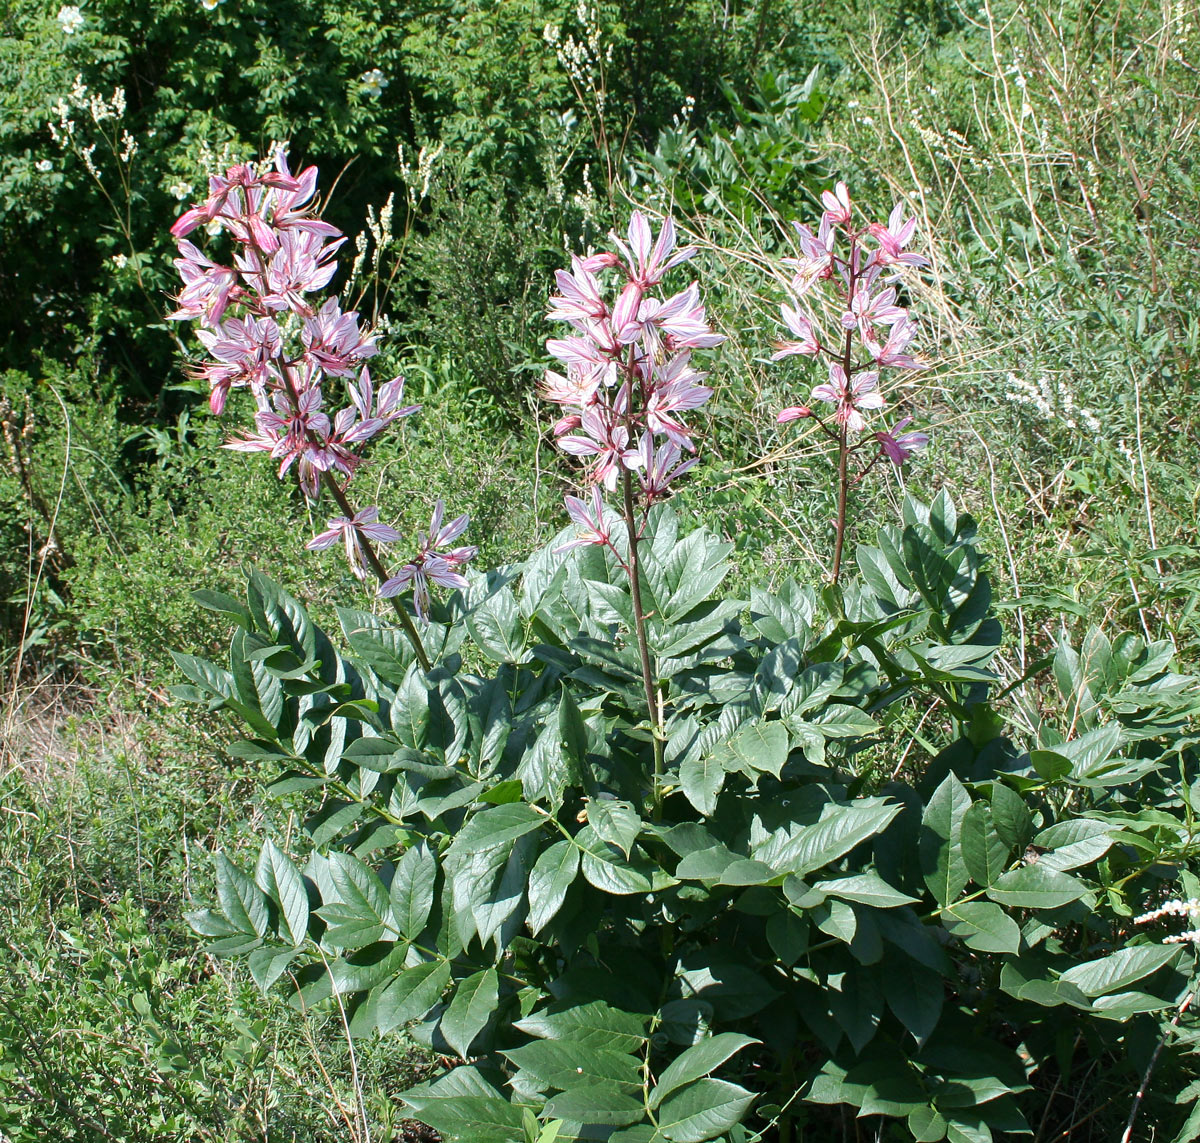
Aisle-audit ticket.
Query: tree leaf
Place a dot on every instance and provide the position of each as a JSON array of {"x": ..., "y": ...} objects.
[
  {"x": 984, "y": 852},
  {"x": 1120, "y": 969},
  {"x": 411, "y": 995},
  {"x": 267, "y": 965},
  {"x": 1011, "y": 817},
  {"x": 616, "y": 822},
  {"x": 701, "y": 779},
  {"x": 551, "y": 877},
  {"x": 412, "y": 888},
  {"x": 755, "y": 747},
  {"x": 566, "y": 1064},
  {"x": 983, "y": 926},
  {"x": 940, "y": 845},
  {"x": 462, "y": 1105},
  {"x": 474, "y": 1001},
  {"x": 814, "y": 846},
  {"x": 595, "y": 1104},
  {"x": 915, "y": 993},
  {"x": 698, "y": 1061},
  {"x": 594, "y": 1023},
  {"x": 703, "y": 1110},
  {"x": 606, "y": 867},
  {"x": 242, "y": 902},
  {"x": 866, "y": 889},
  {"x": 1036, "y": 887},
  {"x": 281, "y": 881}
]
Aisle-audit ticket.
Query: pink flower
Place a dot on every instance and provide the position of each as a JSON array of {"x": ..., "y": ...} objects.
[
  {"x": 579, "y": 298},
  {"x": 867, "y": 311},
  {"x": 850, "y": 398},
  {"x": 207, "y": 288},
  {"x": 334, "y": 341},
  {"x": 351, "y": 531},
  {"x": 643, "y": 265},
  {"x": 675, "y": 391},
  {"x": 898, "y": 449},
  {"x": 606, "y": 440},
  {"x": 300, "y": 265},
  {"x": 432, "y": 565},
  {"x": 794, "y": 413},
  {"x": 591, "y": 525},
  {"x": 809, "y": 344},
  {"x": 893, "y": 351},
  {"x": 893, "y": 238},
  {"x": 837, "y": 204},
  {"x": 817, "y": 262},
  {"x": 659, "y": 467}
]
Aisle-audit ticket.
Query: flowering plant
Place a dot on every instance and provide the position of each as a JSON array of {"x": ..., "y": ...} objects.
[
  {"x": 875, "y": 334},
  {"x": 632, "y": 871},
  {"x": 265, "y": 332}
]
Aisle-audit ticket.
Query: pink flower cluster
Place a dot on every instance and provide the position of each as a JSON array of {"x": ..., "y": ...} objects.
[
  {"x": 875, "y": 331},
  {"x": 627, "y": 379},
  {"x": 264, "y": 332}
]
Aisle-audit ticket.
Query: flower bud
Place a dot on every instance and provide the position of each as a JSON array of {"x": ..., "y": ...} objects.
[{"x": 795, "y": 413}]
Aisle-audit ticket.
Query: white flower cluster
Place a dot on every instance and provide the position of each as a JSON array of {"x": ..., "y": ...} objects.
[
  {"x": 1053, "y": 400},
  {"x": 418, "y": 180},
  {"x": 583, "y": 60},
  {"x": 1189, "y": 908}
]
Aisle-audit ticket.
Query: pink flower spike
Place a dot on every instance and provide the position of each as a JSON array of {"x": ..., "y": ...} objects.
[
  {"x": 793, "y": 413},
  {"x": 900, "y": 448},
  {"x": 590, "y": 522},
  {"x": 837, "y": 204}
]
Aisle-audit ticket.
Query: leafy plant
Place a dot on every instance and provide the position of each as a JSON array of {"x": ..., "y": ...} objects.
[{"x": 778, "y": 928}]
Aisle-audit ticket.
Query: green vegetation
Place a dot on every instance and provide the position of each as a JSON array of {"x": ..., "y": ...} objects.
[{"x": 1049, "y": 155}]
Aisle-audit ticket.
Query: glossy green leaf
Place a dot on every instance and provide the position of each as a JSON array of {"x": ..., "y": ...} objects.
[
  {"x": 242, "y": 902},
  {"x": 281, "y": 881},
  {"x": 702, "y": 1110},
  {"x": 866, "y": 889},
  {"x": 983, "y": 926},
  {"x": 1120, "y": 969},
  {"x": 594, "y": 1023},
  {"x": 614, "y": 821},
  {"x": 551, "y": 877},
  {"x": 983, "y": 850},
  {"x": 411, "y": 995},
  {"x": 412, "y": 888},
  {"x": 940, "y": 845},
  {"x": 474, "y": 1001},
  {"x": 1036, "y": 887},
  {"x": 698, "y": 1061},
  {"x": 566, "y": 1064}
]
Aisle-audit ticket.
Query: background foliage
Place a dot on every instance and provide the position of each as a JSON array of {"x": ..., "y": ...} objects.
[{"x": 1049, "y": 155}]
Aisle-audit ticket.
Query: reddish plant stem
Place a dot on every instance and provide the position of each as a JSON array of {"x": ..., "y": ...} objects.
[
  {"x": 843, "y": 442},
  {"x": 633, "y": 567}
]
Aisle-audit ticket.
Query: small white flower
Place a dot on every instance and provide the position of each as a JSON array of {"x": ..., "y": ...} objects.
[
  {"x": 209, "y": 5},
  {"x": 44, "y": 165},
  {"x": 119, "y": 261},
  {"x": 71, "y": 19},
  {"x": 179, "y": 191},
  {"x": 373, "y": 81}
]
